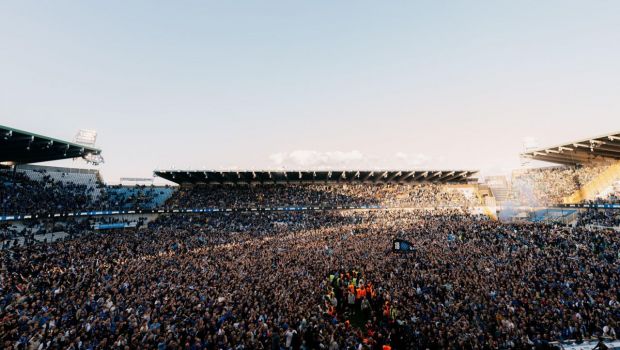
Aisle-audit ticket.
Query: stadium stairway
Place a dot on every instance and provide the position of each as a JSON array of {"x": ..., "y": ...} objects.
[
  {"x": 593, "y": 188},
  {"x": 499, "y": 188}
]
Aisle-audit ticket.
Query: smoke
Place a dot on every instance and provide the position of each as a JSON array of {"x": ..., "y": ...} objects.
[
  {"x": 523, "y": 189},
  {"x": 530, "y": 142}
]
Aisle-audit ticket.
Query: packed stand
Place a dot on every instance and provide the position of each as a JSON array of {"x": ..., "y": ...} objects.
[
  {"x": 22, "y": 195},
  {"x": 610, "y": 196},
  {"x": 45, "y": 194},
  {"x": 315, "y": 280},
  {"x": 599, "y": 217},
  {"x": 135, "y": 197},
  {"x": 549, "y": 186},
  {"x": 388, "y": 195},
  {"x": 38, "y": 231}
]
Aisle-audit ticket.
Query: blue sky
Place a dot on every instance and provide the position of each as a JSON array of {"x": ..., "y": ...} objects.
[{"x": 272, "y": 84}]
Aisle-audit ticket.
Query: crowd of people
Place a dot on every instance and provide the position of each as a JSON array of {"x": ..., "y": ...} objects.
[
  {"x": 599, "y": 217},
  {"x": 389, "y": 195},
  {"x": 21, "y": 194},
  {"x": 132, "y": 197},
  {"x": 294, "y": 280},
  {"x": 610, "y": 197},
  {"x": 36, "y": 231},
  {"x": 320, "y": 279},
  {"x": 549, "y": 186}
]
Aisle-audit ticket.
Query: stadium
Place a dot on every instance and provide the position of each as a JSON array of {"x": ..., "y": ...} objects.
[
  {"x": 308, "y": 259},
  {"x": 309, "y": 175}
]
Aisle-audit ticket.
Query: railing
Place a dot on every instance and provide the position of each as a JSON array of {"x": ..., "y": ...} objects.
[
  {"x": 593, "y": 226},
  {"x": 248, "y": 209}
]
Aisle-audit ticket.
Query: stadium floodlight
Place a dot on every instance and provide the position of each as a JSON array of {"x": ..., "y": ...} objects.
[
  {"x": 86, "y": 137},
  {"x": 93, "y": 158}
]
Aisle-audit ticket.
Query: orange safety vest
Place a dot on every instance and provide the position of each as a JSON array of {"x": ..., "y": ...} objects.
[
  {"x": 358, "y": 294},
  {"x": 331, "y": 311},
  {"x": 387, "y": 347}
]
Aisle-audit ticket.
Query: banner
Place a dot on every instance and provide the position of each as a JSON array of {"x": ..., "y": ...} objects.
[
  {"x": 592, "y": 206},
  {"x": 400, "y": 245}
]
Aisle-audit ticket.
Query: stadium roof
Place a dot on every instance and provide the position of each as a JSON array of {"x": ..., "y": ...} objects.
[
  {"x": 593, "y": 150},
  {"x": 214, "y": 177},
  {"x": 22, "y": 147}
]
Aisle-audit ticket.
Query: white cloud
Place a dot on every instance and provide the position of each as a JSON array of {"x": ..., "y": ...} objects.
[
  {"x": 310, "y": 159},
  {"x": 401, "y": 155},
  {"x": 416, "y": 160},
  {"x": 315, "y": 159},
  {"x": 530, "y": 142}
]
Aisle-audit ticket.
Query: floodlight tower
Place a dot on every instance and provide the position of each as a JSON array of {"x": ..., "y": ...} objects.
[{"x": 88, "y": 138}]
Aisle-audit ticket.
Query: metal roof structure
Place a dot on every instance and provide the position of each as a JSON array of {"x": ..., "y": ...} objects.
[
  {"x": 593, "y": 150},
  {"x": 23, "y": 147},
  {"x": 265, "y": 177}
]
